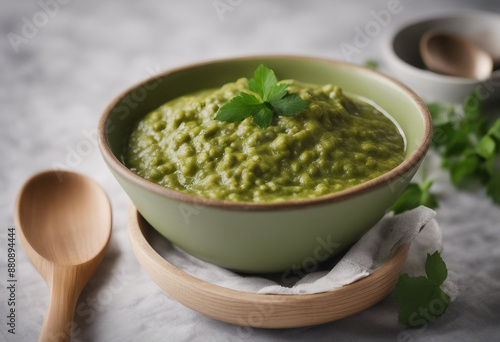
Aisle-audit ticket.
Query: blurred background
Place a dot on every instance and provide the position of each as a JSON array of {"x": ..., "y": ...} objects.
[{"x": 63, "y": 61}]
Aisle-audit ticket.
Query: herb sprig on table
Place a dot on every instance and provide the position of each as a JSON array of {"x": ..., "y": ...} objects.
[
  {"x": 469, "y": 146},
  {"x": 421, "y": 299},
  {"x": 272, "y": 99}
]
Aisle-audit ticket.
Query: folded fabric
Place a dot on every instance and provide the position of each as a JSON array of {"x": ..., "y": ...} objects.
[{"x": 374, "y": 249}]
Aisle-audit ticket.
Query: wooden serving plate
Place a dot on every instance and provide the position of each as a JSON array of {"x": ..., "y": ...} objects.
[{"x": 261, "y": 310}]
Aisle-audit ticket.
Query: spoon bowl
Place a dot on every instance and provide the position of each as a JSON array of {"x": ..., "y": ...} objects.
[
  {"x": 454, "y": 55},
  {"x": 64, "y": 225}
]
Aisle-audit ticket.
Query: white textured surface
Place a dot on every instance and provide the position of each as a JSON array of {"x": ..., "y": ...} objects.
[{"x": 53, "y": 90}]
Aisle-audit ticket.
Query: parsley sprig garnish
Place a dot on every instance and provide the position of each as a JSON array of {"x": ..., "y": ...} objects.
[
  {"x": 273, "y": 99},
  {"x": 421, "y": 299}
]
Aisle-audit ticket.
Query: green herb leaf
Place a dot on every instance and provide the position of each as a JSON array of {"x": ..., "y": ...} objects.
[
  {"x": 442, "y": 114},
  {"x": 414, "y": 296},
  {"x": 421, "y": 299},
  {"x": 458, "y": 142},
  {"x": 426, "y": 197},
  {"x": 239, "y": 108},
  {"x": 493, "y": 188},
  {"x": 277, "y": 92},
  {"x": 442, "y": 134},
  {"x": 435, "y": 268},
  {"x": 415, "y": 195},
  {"x": 486, "y": 147},
  {"x": 274, "y": 99},
  {"x": 494, "y": 131},
  {"x": 289, "y": 105},
  {"x": 263, "y": 82},
  {"x": 468, "y": 143},
  {"x": 472, "y": 106},
  {"x": 372, "y": 64},
  {"x": 477, "y": 127},
  {"x": 489, "y": 165},
  {"x": 409, "y": 199},
  {"x": 463, "y": 168},
  {"x": 263, "y": 116}
]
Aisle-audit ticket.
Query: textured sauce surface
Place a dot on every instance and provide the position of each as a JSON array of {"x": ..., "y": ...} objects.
[{"x": 338, "y": 142}]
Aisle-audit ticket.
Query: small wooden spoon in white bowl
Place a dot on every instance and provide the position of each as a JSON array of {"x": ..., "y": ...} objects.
[
  {"x": 64, "y": 225},
  {"x": 454, "y": 55}
]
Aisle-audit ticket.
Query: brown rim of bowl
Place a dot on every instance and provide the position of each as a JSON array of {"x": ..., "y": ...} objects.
[{"x": 371, "y": 185}]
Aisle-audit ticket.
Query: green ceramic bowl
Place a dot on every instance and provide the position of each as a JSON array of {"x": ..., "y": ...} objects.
[{"x": 265, "y": 237}]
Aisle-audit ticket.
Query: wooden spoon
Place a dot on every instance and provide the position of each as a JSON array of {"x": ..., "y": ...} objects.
[
  {"x": 451, "y": 54},
  {"x": 64, "y": 226}
]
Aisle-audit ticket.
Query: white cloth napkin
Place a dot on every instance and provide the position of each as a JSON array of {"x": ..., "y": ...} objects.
[{"x": 375, "y": 248}]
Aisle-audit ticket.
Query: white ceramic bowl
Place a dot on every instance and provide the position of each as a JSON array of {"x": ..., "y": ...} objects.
[{"x": 403, "y": 56}]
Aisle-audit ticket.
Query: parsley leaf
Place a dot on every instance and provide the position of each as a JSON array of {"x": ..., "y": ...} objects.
[
  {"x": 494, "y": 131},
  {"x": 442, "y": 114},
  {"x": 289, "y": 105},
  {"x": 277, "y": 92},
  {"x": 414, "y": 196},
  {"x": 421, "y": 299},
  {"x": 239, "y": 108},
  {"x": 435, "y": 268},
  {"x": 493, "y": 188},
  {"x": 263, "y": 82},
  {"x": 371, "y": 64},
  {"x": 467, "y": 142},
  {"x": 263, "y": 116},
  {"x": 486, "y": 147},
  {"x": 464, "y": 167},
  {"x": 274, "y": 100}
]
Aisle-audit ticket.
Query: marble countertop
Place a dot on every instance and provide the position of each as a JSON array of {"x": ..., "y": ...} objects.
[{"x": 61, "y": 63}]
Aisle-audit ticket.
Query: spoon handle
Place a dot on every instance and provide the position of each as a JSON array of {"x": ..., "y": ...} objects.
[{"x": 63, "y": 297}]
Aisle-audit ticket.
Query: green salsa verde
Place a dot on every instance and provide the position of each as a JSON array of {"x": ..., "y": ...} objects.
[{"x": 338, "y": 142}]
